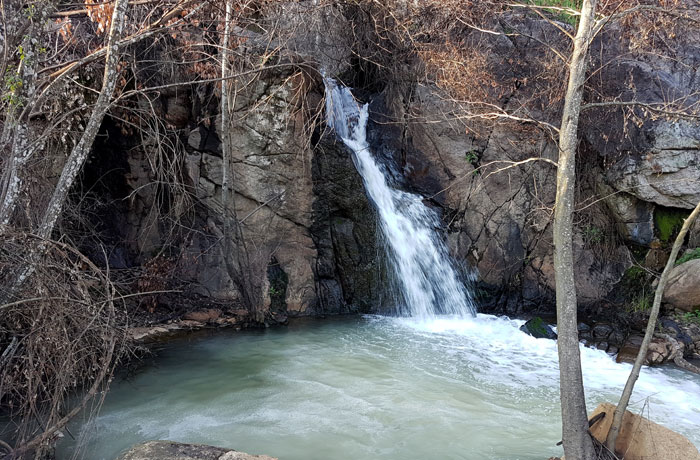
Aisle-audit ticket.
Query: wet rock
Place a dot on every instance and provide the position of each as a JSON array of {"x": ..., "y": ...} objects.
[
  {"x": 613, "y": 350},
  {"x": 168, "y": 450},
  {"x": 642, "y": 439},
  {"x": 583, "y": 327},
  {"x": 602, "y": 331},
  {"x": 617, "y": 338},
  {"x": 537, "y": 328},
  {"x": 628, "y": 351},
  {"x": 660, "y": 350},
  {"x": 683, "y": 288},
  {"x": 602, "y": 346},
  {"x": 676, "y": 330}
]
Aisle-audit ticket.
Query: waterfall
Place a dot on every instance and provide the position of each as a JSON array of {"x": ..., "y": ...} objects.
[{"x": 429, "y": 284}]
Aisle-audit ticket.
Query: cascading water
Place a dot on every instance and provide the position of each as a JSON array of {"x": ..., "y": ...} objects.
[{"x": 429, "y": 283}]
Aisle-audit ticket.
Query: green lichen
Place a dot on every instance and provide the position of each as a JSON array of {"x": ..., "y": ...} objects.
[{"x": 669, "y": 222}]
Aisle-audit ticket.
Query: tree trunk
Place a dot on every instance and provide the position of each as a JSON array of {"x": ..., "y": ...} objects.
[
  {"x": 578, "y": 444},
  {"x": 15, "y": 130},
  {"x": 80, "y": 152},
  {"x": 651, "y": 325}
]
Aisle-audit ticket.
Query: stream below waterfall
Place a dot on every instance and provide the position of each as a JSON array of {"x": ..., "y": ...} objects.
[{"x": 370, "y": 388}]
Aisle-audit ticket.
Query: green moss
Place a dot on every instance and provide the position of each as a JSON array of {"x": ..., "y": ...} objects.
[
  {"x": 538, "y": 327},
  {"x": 694, "y": 254},
  {"x": 669, "y": 222}
]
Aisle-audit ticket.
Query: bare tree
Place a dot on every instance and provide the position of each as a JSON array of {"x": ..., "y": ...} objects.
[
  {"x": 577, "y": 441},
  {"x": 80, "y": 152}
]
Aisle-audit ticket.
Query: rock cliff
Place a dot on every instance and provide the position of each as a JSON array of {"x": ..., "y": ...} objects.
[{"x": 304, "y": 232}]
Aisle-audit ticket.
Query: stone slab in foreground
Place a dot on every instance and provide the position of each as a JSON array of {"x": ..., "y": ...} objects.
[
  {"x": 642, "y": 439},
  {"x": 168, "y": 450}
]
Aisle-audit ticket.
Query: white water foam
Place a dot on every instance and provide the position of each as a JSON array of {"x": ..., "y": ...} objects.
[{"x": 506, "y": 356}]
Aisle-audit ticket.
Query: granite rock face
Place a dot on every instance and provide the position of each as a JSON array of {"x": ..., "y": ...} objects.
[{"x": 307, "y": 240}]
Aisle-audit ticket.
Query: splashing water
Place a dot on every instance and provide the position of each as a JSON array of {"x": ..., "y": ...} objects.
[
  {"x": 429, "y": 284},
  {"x": 372, "y": 388}
]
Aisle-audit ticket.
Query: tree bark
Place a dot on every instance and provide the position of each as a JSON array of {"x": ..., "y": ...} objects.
[
  {"x": 651, "y": 325},
  {"x": 15, "y": 130},
  {"x": 578, "y": 444}
]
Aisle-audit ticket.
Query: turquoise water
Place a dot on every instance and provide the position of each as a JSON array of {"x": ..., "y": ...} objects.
[{"x": 370, "y": 387}]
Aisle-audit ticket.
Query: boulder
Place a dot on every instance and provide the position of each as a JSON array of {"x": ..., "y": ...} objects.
[
  {"x": 203, "y": 316},
  {"x": 642, "y": 439},
  {"x": 660, "y": 350},
  {"x": 667, "y": 176},
  {"x": 168, "y": 450},
  {"x": 683, "y": 288},
  {"x": 537, "y": 328}
]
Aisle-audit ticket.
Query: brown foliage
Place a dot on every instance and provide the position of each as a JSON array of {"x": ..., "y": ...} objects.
[{"x": 60, "y": 332}]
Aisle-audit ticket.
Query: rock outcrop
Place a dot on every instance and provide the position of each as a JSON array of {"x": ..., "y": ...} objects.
[
  {"x": 305, "y": 232},
  {"x": 168, "y": 450}
]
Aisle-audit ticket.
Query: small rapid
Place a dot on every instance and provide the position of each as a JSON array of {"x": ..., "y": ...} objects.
[{"x": 428, "y": 282}]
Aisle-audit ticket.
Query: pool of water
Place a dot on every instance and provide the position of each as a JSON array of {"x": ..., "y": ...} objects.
[{"x": 370, "y": 387}]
